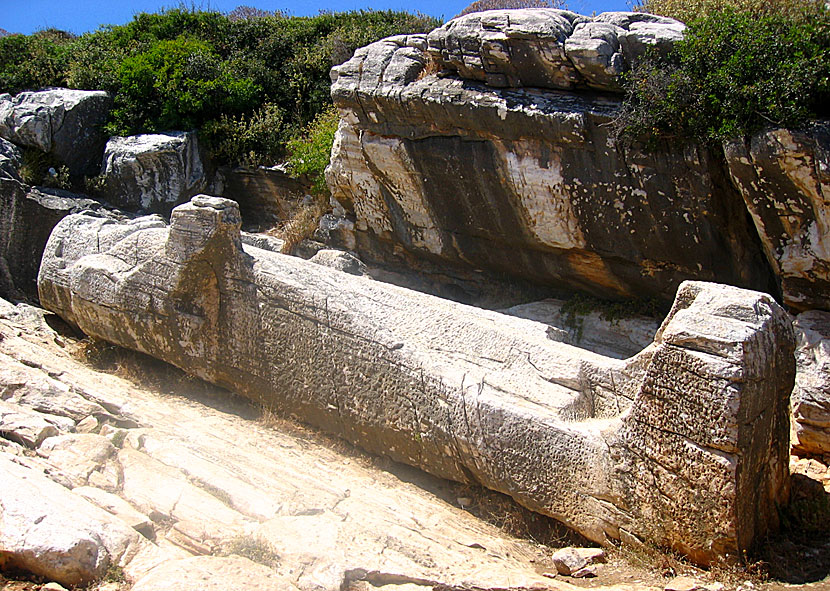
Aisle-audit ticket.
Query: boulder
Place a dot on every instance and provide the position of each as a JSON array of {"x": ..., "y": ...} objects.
[
  {"x": 62, "y": 122},
  {"x": 683, "y": 444},
  {"x": 811, "y": 395},
  {"x": 603, "y": 48},
  {"x": 569, "y": 561},
  {"x": 546, "y": 48},
  {"x": 506, "y": 48},
  {"x": 784, "y": 178},
  {"x": 27, "y": 216},
  {"x": 528, "y": 183},
  {"x": 10, "y": 160},
  {"x": 213, "y": 573},
  {"x": 47, "y": 530},
  {"x": 152, "y": 172}
]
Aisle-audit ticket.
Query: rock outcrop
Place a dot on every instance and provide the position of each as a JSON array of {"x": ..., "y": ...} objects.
[
  {"x": 62, "y": 122},
  {"x": 526, "y": 181},
  {"x": 152, "y": 172},
  {"x": 50, "y": 531},
  {"x": 784, "y": 177},
  {"x": 811, "y": 396},
  {"x": 684, "y": 444},
  {"x": 212, "y": 573},
  {"x": 548, "y": 48},
  {"x": 27, "y": 216}
]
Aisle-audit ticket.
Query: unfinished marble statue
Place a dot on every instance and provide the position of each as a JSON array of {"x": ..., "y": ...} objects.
[{"x": 684, "y": 444}]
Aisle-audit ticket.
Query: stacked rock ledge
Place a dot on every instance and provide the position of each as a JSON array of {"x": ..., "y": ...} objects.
[
  {"x": 683, "y": 444},
  {"x": 527, "y": 181}
]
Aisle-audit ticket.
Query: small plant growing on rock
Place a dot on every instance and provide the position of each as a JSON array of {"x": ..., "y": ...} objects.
[
  {"x": 310, "y": 152},
  {"x": 252, "y": 548}
]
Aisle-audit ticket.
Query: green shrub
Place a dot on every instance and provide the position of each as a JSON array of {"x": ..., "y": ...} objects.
[
  {"x": 734, "y": 73},
  {"x": 34, "y": 61},
  {"x": 177, "y": 84},
  {"x": 249, "y": 80},
  {"x": 250, "y": 140},
  {"x": 689, "y": 10},
  {"x": 310, "y": 153}
]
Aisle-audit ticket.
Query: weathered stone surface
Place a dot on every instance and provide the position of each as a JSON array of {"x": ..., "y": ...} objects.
[
  {"x": 81, "y": 456},
  {"x": 607, "y": 45},
  {"x": 569, "y": 561},
  {"x": 27, "y": 216},
  {"x": 505, "y": 48},
  {"x": 684, "y": 444},
  {"x": 60, "y": 121},
  {"x": 618, "y": 338},
  {"x": 528, "y": 183},
  {"x": 10, "y": 160},
  {"x": 49, "y": 531},
  {"x": 811, "y": 395},
  {"x": 262, "y": 192},
  {"x": 152, "y": 172},
  {"x": 24, "y": 426},
  {"x": 339, "y": 260},
  {"x": 784, "y": 177},
  {"x": 118, "y": 507},
  {"x": 213, "y": 573},
  {"x": 263, "y": 241},
  {"x": 545, "y": 48}
]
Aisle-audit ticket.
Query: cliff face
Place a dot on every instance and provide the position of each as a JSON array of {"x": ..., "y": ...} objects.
[{"x": 502, "y": 160}]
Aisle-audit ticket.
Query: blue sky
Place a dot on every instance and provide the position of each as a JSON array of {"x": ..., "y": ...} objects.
[{"x": 79, "y": 16}]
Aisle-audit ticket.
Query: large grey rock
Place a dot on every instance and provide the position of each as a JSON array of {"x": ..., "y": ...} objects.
[
  {"x": 49, "y": 531},
  {"x": 528, "y": 183},
  {"x": 10, "y": 160},
  {"x": 65, "y": 123},
  {"x": 152, "y": 172},
  {"x": 508, "y": 48},
  {"x": 684, "y": 444},
  {"x": 603, "y": 48},
  {"x": 27, "y": 216},
  {"x": 811, "y": 396},
  {"x": 784, "y": 177},
  {"x": 548, "y": 48}
]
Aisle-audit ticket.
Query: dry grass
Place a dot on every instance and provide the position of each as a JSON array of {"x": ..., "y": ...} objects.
[
  {"x": 301, "y": 224},
  {"x": 433, "y": 66},
  {"x": 252, "y": 548},
  {"x": 134, "y": 367}
]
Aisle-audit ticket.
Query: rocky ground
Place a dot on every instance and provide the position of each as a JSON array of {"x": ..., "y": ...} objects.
[{"x": 120, "y": 472}]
